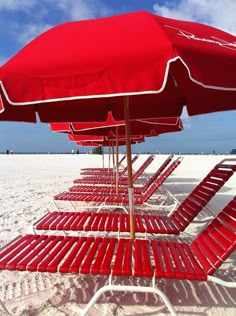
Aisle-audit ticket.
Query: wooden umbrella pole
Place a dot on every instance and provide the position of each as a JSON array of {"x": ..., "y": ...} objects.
[
  {"x": 117, "y": 161},
  {"x": 129, "y": 165},
  {"x": 103, "y": 158},
  {"x": 113, "y": 159},
  {"x": 109, "y": 156}
]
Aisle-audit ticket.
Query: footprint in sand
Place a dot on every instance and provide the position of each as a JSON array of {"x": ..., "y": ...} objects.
[{"x": 5, "y": 230}]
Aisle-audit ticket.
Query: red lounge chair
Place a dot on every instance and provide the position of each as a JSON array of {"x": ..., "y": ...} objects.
[
  {"x": 174, "y": 223},
  {"x": 101, "y": 171},
  {"x": 108, "y": 174},
  {"x": 200, "y": 196},
  {"x": 108, "y": 189},
  {"x": 110, "y": 179},
  {"x": 140, "y": 258},
  {"x": 118, "y": 198}
]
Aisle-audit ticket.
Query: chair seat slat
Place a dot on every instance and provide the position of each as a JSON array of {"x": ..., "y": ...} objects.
[{"x": 65, "y": 266}]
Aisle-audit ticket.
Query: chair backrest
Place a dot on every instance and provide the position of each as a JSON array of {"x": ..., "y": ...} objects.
[
  {"x": 157, "y": 173},
  {"x": 218, "y": 240},
  {"x": 142, "y": 168},
  {"x": 126, "y": 168},
  {"x": 156, "y": 184},
  {"x": 202, "y": 194}
]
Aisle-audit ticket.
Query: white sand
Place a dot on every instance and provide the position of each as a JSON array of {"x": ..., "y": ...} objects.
[{"x": 28, "y": 184}]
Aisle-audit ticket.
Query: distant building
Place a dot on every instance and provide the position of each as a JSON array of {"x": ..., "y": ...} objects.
[{"x": 233, "y": 151}]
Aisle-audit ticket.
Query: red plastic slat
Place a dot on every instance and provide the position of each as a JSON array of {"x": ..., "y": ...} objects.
[
  {"x": 127, "y": 261},
  {"x": 96, "y": 266},
  {"x": 80, "y": 255},
  {"x": 157, "y": 253},
  {"x": 32, "y": 243},
  {"x": 65, "y": 267},
  {"x": 117, "y": 268},
  {"x": 106, "y": 265},
  {"x": 91, "y": 254},
  {"x": 30, "y": 254},
  {"x": 38, "y": 258}
]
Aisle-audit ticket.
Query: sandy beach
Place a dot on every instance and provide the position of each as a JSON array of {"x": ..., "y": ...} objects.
[{"x": 28, "y": 184}]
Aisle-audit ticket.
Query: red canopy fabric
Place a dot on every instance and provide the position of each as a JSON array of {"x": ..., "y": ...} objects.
[
  {"x": 87, "y": 138},
  {"x": 137, "y": 127},
  {"x": 60, "y": 127},
  {"x": 103, "y": 143},
  {"x": 88, "y": 144},
  {"x": 107, "y": 142},
  {"x": 146, "y": 127},
  {"x": 92, "y": 138},
  {"x": 79, "y": 71}
]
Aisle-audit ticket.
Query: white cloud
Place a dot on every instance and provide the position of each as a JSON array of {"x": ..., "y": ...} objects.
[
  {"x": 75, "y": 9},
  {"x": 17, "y": 5},
  {"x": 84, "y": 9},
  {"x": 30, "y": 31},
  {"x": 217, "y": 13},
  {"x": 27, "y": 27}
]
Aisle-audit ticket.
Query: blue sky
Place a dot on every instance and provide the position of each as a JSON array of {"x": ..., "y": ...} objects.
[{"x": 22, "y": 20}]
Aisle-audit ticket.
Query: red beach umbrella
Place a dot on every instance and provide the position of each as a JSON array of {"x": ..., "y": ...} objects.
[
  {"x": 143, "y": 127},
  {"x": 158, "y": 62},
  {"x": 144, "y": 66}
]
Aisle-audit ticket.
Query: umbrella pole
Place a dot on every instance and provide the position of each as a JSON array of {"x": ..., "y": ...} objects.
[
  {"x": 117, "y": 162},
  {"x": 109, "y": 156},
  {"x": 113, "y": 154},
  {"x": 129, "y": 165},
  {"x": 113, "y": 158}
]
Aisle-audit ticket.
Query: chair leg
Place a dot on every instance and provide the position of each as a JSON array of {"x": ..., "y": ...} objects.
[
  {"x": 6, "y": 311},
  {"x": 104, "y": 206},
  {"x": 128, "y": 288},
  {"x": 221, "y": 282},
  {"x": 54, "y": 202}
]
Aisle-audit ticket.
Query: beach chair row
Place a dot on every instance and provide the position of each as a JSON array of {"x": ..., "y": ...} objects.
[
  {"x": 173, "y": 223},
  {"x": 107, "y": 195},
  {"x": 110, "y": 178},
  {"x": 140, "y": 258}
]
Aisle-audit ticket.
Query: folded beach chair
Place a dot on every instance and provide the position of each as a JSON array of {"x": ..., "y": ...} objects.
[
  {"x": 140, "y": 258},
  {"x": 173, "y": 223},
  {"x": 110, "y": 179},
  {"x": 108, "y": 189},
  {"x": 98, "y": 171},
  {"x": 120, "y": 198}
]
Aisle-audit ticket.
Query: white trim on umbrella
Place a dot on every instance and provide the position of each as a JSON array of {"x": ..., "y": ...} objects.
[{"x": 120, "y": 93}]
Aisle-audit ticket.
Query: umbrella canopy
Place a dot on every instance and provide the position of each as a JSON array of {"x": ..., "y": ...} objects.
[
  {"x": 88, "y": 144},
  {"x": 110, "y": 127},
  {"x": 162, "y": 64},
  {"x": 103, "y": 140},
  {"x": 148, "y": 127},
  {"x": 85, "y": 138},
  {"x": 107, "y": 142}
]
